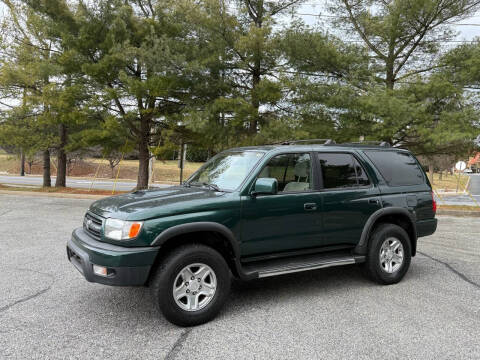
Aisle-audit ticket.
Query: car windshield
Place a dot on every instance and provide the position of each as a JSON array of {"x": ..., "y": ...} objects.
[{"x": 227, "y": 170}]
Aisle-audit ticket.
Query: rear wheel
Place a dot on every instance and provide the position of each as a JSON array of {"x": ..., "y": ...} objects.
[
  {"x": 191, "y": 285},
  {"x": 389, "y": 254}
]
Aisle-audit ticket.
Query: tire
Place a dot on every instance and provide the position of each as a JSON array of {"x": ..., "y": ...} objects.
[
  {"x": 384, "y": 266},
  {"x": 171, "y": 278}
]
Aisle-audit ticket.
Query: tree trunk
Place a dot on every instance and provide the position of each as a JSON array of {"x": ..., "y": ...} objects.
[
  {"x": 47, "y": 182},
  {"x": 431, "y": 171},
  {"x": 441, "y": 176},
  {"x": 256, "y": 71},
  {"x": 143, "y": 155},
  {"x": 22, "y": 163},
  {"x": 255, "y": 102},
  {"x": 62, "y": 158},
  {"x": 389, "y": 72}
]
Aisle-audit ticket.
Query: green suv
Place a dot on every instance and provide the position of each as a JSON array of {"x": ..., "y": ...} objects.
[{"x": 256, "y": 212}]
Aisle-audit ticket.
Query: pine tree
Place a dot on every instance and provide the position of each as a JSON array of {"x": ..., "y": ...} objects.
[
  {"x": 135, "y": 57},
  {"x": 26, "y": 73}
]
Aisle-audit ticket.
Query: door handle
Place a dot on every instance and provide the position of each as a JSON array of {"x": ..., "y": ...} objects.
[
  {"x": 310, "y": 206},
  {"x": 373, "y": 201}
]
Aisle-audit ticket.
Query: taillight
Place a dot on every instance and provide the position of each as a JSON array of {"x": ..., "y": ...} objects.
[{"x": 434, "y": 204}]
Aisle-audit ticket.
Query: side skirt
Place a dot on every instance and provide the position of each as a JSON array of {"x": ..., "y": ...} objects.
[{"x": 288, "y": 265}]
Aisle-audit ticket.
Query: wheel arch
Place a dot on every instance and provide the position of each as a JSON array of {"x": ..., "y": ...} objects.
[
  {"x": 212, "y": 234},
  {"x": 393, "y": 215}
]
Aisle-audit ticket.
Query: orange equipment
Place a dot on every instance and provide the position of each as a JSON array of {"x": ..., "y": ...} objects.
[{"x": 474, "y": 160}]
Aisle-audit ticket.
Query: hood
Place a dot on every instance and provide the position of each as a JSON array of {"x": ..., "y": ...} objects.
[{"x": 146, "y": 204}]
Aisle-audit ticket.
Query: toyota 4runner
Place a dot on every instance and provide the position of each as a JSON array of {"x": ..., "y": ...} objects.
[{"x": 256, "y": 212}]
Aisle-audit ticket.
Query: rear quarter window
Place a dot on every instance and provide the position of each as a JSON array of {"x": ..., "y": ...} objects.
[{"x": 397, "y": 168}]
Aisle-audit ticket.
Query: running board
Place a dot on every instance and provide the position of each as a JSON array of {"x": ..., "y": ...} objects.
[{"x": 300, "y": 263}]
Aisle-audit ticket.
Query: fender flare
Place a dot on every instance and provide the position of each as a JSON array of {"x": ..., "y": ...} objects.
[
  {"x": 204, "y": 226},
  {"x": 362, "y": 246},
  {"x": 181, "y": 229}
]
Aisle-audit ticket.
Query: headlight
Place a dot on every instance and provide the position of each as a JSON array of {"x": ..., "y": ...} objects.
[{"x": 122, "y": 230}]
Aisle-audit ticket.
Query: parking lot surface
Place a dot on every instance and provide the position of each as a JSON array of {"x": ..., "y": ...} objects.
[{"x": 48, "y": 311}]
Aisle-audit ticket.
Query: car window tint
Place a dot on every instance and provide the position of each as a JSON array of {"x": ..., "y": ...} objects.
[
  {"x": 338, "y": 170},
  {"x": 292, "y": 171},
  {"x": 362, "y": 177},
  {"x": 397, "y": 168}
]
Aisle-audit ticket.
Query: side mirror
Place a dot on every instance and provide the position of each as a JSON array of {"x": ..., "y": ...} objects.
[{"x": 265, "y": 186}]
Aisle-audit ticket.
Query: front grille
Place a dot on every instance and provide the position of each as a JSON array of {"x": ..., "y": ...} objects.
[{"x": 93, "y": 225}]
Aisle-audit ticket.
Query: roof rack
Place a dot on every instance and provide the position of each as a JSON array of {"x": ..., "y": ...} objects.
[
  {"x": 307, "y": 141},
  {"x": 368, "y": 143}
]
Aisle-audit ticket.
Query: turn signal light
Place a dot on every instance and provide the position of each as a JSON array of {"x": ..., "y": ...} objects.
[
  {"x": 134, "y": 230},
  {"x": 434, "y": 204},
  {"x": 117, "y": 229},
  {"x": 100, "y": 270}
]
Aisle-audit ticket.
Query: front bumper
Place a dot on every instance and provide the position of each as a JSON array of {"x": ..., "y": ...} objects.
[{"x": 126, "y": 266}]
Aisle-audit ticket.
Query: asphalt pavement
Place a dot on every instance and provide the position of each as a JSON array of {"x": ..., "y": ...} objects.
[
  {"x": 48, "y": 311},
  {"x": 470, "y": 199},
  {"x": 474, "y": 186},
  {"x": 103, "y": 184}
]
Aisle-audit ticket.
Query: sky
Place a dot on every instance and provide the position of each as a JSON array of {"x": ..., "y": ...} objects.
[{"x": 467, "y": 29}]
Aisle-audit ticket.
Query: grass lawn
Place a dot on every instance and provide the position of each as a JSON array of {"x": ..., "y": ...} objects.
[
  {"x": 164, "y": 171},
  {"x": 449, "y": 182},
  {"x": 55, "y": 190},
  {"x": 8, "y": 163}
]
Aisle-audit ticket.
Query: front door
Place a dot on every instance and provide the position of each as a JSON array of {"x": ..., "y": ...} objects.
[
  {"x": 286, "y": 221},
  {"x": 348, "y": 198}
]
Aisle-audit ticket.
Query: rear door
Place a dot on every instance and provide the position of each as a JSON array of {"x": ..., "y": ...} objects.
[{"x": 348, "y": 197}]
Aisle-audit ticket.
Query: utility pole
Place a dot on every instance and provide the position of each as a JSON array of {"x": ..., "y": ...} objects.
[
  {"x": 181, "y": 161},
  {"x": 22, "y": 153},
  {"x": 151, "y": 165},
  {"x": 22, "y": 162}
]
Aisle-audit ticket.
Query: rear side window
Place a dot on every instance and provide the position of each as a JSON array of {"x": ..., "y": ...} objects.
[
  {"x": 341, "y": 171},
  {"x": 397, "y": 168}
]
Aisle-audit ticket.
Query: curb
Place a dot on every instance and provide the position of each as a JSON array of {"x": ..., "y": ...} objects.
[
  {"x": 57, "y": 195},
  {"x": 460, "y": 213}
]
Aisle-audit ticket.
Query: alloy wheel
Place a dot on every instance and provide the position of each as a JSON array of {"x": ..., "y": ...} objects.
[
  {"x": 194, "y": 287},
  {"x": 391, "y": 255}
]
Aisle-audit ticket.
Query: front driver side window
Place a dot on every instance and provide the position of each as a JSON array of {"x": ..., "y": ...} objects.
[{"x": 292, "y": 171}]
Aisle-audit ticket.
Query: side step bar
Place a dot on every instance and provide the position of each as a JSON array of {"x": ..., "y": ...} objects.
[{"x": 299, "y": 263}]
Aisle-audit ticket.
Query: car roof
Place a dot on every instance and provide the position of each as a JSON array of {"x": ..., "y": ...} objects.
[{"x": 314, "y": 147}]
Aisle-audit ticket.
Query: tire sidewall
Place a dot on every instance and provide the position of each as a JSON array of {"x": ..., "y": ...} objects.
[
  {"x": 382, "y": 233},
  {"x": 168, "y": 273}
]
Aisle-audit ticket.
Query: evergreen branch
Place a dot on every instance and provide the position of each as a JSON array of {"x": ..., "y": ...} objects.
[
  {"x": 283, "y": 7},
  {"x": 251, "y": 11},
  {"x": 411, "y": 73},
  {"x": 361, "y": 32}
]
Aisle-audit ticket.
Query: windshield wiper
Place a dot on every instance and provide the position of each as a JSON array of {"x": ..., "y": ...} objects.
[{"x": 211, "y": 186}]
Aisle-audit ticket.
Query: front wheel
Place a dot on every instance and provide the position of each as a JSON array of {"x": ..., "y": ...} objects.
[
  {"x": 191, "y": 285},
  {"x": 389, "y": 254}
]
